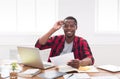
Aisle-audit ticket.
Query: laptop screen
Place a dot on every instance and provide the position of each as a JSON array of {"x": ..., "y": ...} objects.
[{"x": 30, "y": 56}]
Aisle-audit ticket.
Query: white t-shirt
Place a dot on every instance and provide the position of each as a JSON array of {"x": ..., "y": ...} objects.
[{"x": 67, "y": 48}]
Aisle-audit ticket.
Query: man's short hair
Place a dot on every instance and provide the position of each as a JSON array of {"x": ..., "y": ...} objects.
[{"x": 71, "y": 17}]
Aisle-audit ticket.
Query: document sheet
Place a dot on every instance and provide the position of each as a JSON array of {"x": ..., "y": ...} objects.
[
  {"x": 62, "y": 59},
  {"x": 77, "y": 76}
]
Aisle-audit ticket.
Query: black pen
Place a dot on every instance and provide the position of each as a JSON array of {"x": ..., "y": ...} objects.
[{"x": 70, "y": 76}]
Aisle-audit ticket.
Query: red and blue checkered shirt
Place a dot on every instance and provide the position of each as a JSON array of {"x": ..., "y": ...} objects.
[{"x": 80, "y": 48}]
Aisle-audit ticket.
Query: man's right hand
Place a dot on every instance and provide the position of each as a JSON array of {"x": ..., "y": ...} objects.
[{"x": 58, "y": 25}]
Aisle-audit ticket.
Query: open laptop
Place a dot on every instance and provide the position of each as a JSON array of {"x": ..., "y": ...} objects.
[{"x": 31, "y": 57}]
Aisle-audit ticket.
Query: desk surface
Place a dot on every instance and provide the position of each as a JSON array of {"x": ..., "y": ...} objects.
[{"x": 91, "y": 74}]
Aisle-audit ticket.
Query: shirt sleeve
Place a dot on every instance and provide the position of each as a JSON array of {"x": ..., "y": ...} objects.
[
  {"x": 87, "y": 50},
  {"x": 47, "y": 45}
]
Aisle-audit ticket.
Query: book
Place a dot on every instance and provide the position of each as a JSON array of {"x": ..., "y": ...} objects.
[
  {"x": 51, "y": 74},
  {"x": 66, "y": 68},
  {"x": 29, "y": 73}
]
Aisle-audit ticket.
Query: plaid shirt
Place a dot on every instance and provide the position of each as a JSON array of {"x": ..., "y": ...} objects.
[{"x": 80, "y": 48}]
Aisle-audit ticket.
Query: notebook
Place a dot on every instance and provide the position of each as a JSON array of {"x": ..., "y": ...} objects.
[
  {"x": 29, "y": 73},
  {"x": 105, "y": 77},
  {"x": 112, "y": 68},
  {"x": 31, "y": 57},
  {"x": 51, "y": 74}
]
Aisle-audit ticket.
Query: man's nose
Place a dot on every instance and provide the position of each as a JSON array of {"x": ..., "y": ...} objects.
[{"x": 69, "y": 27}]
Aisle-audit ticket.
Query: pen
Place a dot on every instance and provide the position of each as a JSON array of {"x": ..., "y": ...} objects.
[{"x": 70, "y": 76}]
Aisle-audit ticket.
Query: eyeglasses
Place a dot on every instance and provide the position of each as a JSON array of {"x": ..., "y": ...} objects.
[{"x": 69, "y": 26}]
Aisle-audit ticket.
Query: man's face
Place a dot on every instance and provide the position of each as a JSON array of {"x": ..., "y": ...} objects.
[{"x": 69, "y": 28}]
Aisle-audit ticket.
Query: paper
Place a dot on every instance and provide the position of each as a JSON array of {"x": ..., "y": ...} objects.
[
  {"x": 62, "y": 59},
  {"x": 5, "y": 69},
  {"x": 77, "y": 76}
]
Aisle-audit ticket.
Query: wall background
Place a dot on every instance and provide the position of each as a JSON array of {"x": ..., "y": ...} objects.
[{"x": 105, "y": 47}]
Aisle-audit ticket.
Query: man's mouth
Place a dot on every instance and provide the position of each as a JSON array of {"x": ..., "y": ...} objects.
[{"x": 69, "y": 32}]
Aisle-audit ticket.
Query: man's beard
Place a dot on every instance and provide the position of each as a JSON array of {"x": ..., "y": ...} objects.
[{"x": 71, "y": 36}]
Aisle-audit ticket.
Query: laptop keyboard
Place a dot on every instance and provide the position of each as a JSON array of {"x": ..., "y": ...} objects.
[{"x": 46, "y": 65}]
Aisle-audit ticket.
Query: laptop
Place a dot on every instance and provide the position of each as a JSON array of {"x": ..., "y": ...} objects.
[{"x": 31, "y": 57}]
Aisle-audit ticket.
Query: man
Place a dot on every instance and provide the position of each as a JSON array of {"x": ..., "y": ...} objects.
[{"x": 67, "y": 43}]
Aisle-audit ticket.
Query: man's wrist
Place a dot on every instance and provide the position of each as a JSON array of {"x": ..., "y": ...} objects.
[{"x": 80, "y": 63}]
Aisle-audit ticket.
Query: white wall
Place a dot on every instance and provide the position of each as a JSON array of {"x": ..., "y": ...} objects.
[
  {"x": 84, "y": 11},
  {"x": 106, "y": 54},
  {"x": 105, "y": 47}
]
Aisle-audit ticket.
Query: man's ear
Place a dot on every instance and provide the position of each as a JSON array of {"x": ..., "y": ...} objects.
[{"x": 76, "y": 27}]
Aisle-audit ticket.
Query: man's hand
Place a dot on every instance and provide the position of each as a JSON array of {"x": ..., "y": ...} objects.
[
  {"x": 58, "y": 25},
  {"x": 74, "y": 63}
]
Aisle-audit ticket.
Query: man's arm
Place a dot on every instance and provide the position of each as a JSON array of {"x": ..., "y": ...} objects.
[
  {"x": 76, "y": 63},
  {"x": 45, "y": 37},
  {"x": 86, "y": 61}
]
